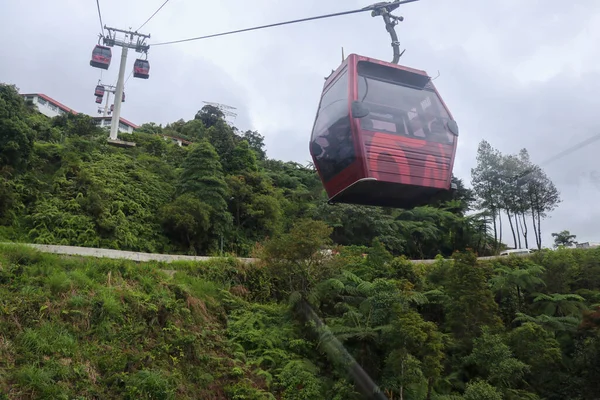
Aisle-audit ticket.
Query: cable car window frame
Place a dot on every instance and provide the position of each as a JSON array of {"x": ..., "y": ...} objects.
[
  {"x": 405, "y": 124},
  {"x": 337, "y": 156}
]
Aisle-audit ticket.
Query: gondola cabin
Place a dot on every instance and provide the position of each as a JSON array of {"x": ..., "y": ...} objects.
[
  {"x": 99, "y": 91},
  {"x": 141, "y": 69},
  {"x": 383, "y": 136},
  {"x": 123, "y": 98},
  {"x": 101, "y": 56},
  {"x": 98, "y": 100}
]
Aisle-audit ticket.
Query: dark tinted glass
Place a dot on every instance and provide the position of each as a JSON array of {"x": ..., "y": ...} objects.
[
  {"x": 402, "y": 104},
  {"x": 331, "y": 141}
]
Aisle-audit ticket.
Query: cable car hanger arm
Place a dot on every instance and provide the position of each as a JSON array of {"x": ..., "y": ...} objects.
[
  {"x": 385, "y": 10},
  {"x": 390, "y": 20}
]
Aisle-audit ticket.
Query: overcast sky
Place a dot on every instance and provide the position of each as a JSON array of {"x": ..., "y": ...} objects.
[{"x": 518, "y": 73}]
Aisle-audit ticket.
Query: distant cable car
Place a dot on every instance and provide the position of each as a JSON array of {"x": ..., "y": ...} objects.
[
  {"x": 101, "y": 56},
  {"x": 98, "y": 99},
  {"x": 123, "y": 98},
  {"x": 99, "y": 92},
  {"x": 112, "y": 107},
  {"x": 382, "y": 135},
  {"x": 141, "y": 69}
]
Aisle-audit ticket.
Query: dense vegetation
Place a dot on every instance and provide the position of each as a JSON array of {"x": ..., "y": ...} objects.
[
  {"x": 299, "y": 324},
  {"x": 512, "y": 328},
  {"x": 61, "y": 183}
]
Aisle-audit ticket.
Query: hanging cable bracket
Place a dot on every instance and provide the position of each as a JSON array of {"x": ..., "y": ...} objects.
[{"x": 384, "y": 9}]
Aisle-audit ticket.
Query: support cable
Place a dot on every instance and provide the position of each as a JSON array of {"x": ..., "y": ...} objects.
[
  {"x": 374, "y": 7},
  {"x": 100, "y": 17},
  {"x": 155, "y": 12}
]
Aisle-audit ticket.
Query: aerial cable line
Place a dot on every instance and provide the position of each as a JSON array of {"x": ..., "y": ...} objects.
[
  {"x": 373, "y": 7},
  {"x": 580, "y": 145},
  {"x": 155, "y": 12},
  {"x": 100, "y": 16}
]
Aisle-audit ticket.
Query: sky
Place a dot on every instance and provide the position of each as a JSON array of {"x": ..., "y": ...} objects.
[{"x": 519, "y": 74}]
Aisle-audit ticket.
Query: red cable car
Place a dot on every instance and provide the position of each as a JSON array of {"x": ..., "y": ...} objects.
[
  {"x": 99, "y": 92},
  {"x": 101, "y": 56},
  {"x": 382, "y": 135},
  {"x": 141, "y": 69},
  {"x": 98, "y": 100}
]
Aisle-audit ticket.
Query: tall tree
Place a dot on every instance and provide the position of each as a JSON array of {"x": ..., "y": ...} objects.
[
  {"x": 564, "y": 238},
  {"x": 256, "y": 142},
  {"x": 543, "y": 197},
  {"x": 202, "y": 176},
  {"x": 16, "y": 137},
  {"x": 486, "y": 181},
  {"x": 209, "y": 115}
]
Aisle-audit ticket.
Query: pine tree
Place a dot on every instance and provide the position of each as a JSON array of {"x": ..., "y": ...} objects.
[{"x": 202, "y": 176}]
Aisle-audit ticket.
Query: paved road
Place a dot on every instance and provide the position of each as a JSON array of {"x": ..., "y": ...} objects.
[{"x": 138, "y": 256}]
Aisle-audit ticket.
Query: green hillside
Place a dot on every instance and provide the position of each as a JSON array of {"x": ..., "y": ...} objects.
[
  {"x": 298, "y": 324},
  {"x": 77, "y": 328},
  {"x": 61, "y": 183}
]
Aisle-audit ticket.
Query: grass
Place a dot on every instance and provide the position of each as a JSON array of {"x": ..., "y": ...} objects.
[{"x": 86, "y": 328}]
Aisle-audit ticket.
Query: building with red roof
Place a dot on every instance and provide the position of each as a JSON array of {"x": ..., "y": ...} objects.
[{"x": 52, "y": 108}]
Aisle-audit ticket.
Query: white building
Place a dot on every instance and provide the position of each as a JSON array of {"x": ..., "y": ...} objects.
[
  {"x": 52, "y": 108},
  {"x": 588, "y": 245},
  {"x": 47, "y": 105},
  {"x": 124, "y": 125}
]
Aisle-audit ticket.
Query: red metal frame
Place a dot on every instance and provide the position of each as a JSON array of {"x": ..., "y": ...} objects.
[{"x": 431, "y": 171}]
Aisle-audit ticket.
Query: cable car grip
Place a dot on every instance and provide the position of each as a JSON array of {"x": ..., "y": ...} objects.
[{"x": 384, "y": 9}]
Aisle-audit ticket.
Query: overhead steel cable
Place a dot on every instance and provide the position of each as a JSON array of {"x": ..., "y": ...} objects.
[
  {"x": 373, "y": 7},
  {"x": 100, "y": 17},
  {"x": 152, "y": 16},
  {"x": 580, "y": 145}
]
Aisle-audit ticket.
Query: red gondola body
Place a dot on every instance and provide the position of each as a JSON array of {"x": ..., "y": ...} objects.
[
  {"x": 99, "y": 92},
  {"x": 101, "y": 56},
  {"x": 141, "y": 69},
  {"x": 383, "y": 136},
  {"x": 98, "y": 100}
]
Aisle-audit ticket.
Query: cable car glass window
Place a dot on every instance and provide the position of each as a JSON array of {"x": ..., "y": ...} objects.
[
  {"x": 400, "y": 103},
  {"x": 331, "y": 142}
]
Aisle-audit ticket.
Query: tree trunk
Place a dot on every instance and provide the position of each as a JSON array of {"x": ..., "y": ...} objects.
[
  {"x": 539, "y": 231},
  {"x": 512, "y": 228},
  {"x": 516, "y": 215},
  {"x": 495, "y": 227},
  {"x": 429, "y": 388},
  {"x": 524, "y": 230},
  {"x": 500, "y": 228},
  {"x": 533, "y": 224}
]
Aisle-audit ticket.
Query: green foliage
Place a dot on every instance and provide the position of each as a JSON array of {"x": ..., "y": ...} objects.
[
  {"x": 16, "y": 136},
  {"x": 116, "y": 329}
]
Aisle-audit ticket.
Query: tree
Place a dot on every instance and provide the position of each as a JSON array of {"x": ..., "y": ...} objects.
[
  {"x": 242, "y": 160},
  {"x": 294, "y": 261},
  {"x": 564, "y": 238},
  {"x": 471, "y": 304},
  {"x": 257, "y": 143},
  {"x": 209, "y": 115},
  {"x": 543, "y": 198},
  {"x": 16, "y": 137},
  {"x": 486, "y": 181},
  {"x": 187, "y": 221},
  {"x": 202, "y": 176}
]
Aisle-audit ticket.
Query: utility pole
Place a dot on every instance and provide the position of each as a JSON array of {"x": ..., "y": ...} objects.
[{"x": 131, "y": 40}]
